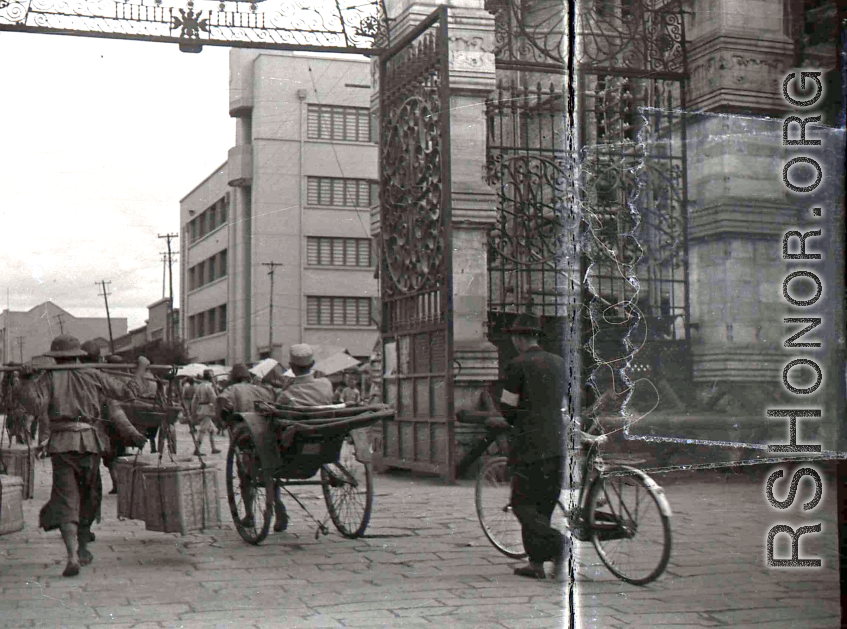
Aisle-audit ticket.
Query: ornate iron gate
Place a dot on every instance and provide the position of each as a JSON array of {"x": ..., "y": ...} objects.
[
  {"x": 632, "y": 77},
  {"x": 415, "y": 266},
  {"x": 628, "y": 214}
]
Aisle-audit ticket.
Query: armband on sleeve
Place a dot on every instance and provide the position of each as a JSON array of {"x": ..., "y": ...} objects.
[{"x": 512, "y": 399}]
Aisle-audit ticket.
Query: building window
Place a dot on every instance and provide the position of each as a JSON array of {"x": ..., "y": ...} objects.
[
  {"x": 213, "y": 217},
  {"x": 330, "y": 122},
  {"x": 338, "y": 251},
  {"x": 338, "y": 311},
  {"x": 209, "y": 322},
  {"x": 338, "y": 192},
  {"x": 207, "y": 271}
]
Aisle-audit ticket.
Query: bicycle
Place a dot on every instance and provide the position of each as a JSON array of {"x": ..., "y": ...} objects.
[{"x": 610, "y": 511}]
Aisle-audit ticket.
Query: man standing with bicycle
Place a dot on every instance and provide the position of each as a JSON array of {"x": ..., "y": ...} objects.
[{"x": 532, "y": 402}]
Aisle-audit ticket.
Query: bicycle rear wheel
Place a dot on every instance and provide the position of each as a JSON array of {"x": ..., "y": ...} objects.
[
  {"x": 629, "y": 525},
  {"x": 494, "y": 508}
]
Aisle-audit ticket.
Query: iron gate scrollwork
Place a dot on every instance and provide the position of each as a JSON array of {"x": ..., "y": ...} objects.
[
  {"x": 633, "y": 188},
  {"x": 415, "y": 267},
  {"x": 627, "y": 205}
]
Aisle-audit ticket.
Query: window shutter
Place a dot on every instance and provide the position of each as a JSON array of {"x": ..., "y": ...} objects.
[
  {"x": 325, "y": 128},
  {"x": 223, "y": 263},
  {"x": 312, "y": 125},
  {"x": 364, "y": 312},
  {"x": 350, "y": 311},
  {"x": 374, "y": 198},
  {"x": 338, "y": 311},
  {"x": 350, "y": 193},
  {"x": 364, "y": 126},
  {"x": 337, "y": 251},
  {"x": 364, "y": 253},
  {"x": 325, "y": 193},
  {"x": 312, "y": 311},
  {"x": 312, "y": 191},
  {"x": 350, "y": 252},
  {"x": 312, "y": 251},
  {"x": 350, "y": 122},
  {"x": 222, "y": 322},
  {"x": 337, "y": 192},
  {"x": 325, "y": 251}
]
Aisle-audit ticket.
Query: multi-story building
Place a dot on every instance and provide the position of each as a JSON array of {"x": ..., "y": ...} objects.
[
  {"x": 295, "y": 193},
  {"x": 26, "y": 334}
]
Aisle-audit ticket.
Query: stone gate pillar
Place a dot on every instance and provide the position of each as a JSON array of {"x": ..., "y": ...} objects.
[
  {"x": 472, "y": 80},
  {"x": 739, "y": 54}
]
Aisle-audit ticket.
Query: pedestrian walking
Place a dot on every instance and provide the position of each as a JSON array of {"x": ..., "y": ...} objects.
[
  {"x": 351, "y": 396},
  {"x": 241, "y": 397},
  {"x": 203, "y": 408},
  {"x": 532, "y": 402},
  {"x": 68, "y": 403}
]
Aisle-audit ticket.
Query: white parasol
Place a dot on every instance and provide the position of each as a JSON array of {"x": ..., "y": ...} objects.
[{"x": 332, "y": 364}]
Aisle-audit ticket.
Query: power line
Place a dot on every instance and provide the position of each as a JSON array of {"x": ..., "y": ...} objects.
[
  {"x": 108, "y": 316},
  {"x": 170, "y": 329}
]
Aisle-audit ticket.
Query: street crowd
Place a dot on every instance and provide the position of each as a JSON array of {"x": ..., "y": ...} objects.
[{"x": 81, "y": 422}]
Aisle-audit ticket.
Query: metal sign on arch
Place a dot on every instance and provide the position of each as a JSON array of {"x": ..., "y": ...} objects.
[{"x": 346, "y": 26}]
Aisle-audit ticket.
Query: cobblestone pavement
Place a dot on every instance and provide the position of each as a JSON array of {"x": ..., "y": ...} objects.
[{"x": 423, "y": 562}]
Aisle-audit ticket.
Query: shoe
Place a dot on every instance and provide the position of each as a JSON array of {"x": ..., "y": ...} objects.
[
  {"x": 85, "y": 557},
  {"x": 114, "y": 490},
  {"x": 248, "y": 522},
  {"x": 280, "y": 517},
  {"x": 532, "y": 570},
  {"x": 72, "y": 569},
  {"x": 216, "y": 451}
]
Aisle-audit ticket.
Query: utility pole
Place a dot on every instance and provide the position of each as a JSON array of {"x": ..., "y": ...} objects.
[
  {"x": 108, "y": 317},
  {"x": 61, "y": 322},
  {"x": 171, "y": 323},
  {"x": 164, "y": 271},
  {"x": 272, "y": 266},
  {"x": 20, "y": 340}
]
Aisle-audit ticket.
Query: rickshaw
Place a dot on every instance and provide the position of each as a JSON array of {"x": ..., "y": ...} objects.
[{"x": 286, "y": 446}]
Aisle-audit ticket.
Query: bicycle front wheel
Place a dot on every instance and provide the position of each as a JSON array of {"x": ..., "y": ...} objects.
[
  {"x": 629, "y": 526},
  {"x": 494, "y": 508}
]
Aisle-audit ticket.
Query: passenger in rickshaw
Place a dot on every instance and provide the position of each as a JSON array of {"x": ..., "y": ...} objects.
[{"x": 306, "y": 389}]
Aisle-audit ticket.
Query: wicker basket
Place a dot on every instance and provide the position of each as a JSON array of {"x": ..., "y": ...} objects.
[
  {"x": 181, "y": 497},
  {"x": 130, "y": 480},
  {"x": 148, "y": 414},
  {"x": 11, "y": 504},
  {"x": 18, "y": 460}
]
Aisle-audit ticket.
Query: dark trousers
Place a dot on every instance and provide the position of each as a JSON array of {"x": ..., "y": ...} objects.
[
  {"x": 77, "y": 491},
  {"x": 535, "y": 489}
]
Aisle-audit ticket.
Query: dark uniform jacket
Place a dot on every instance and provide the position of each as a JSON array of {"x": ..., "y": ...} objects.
[{"x": 533, "y": 397}]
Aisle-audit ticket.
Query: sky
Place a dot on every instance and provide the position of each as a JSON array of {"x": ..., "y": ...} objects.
[{"x": 99, "y": 141}]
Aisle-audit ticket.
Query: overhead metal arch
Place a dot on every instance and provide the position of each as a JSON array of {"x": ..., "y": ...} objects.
[{"x": 341, "y": 26}]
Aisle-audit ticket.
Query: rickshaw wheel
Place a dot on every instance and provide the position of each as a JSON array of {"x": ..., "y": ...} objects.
[
  {"x": 249, "y": 490},
  {"x": 349, "y": 504}
]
